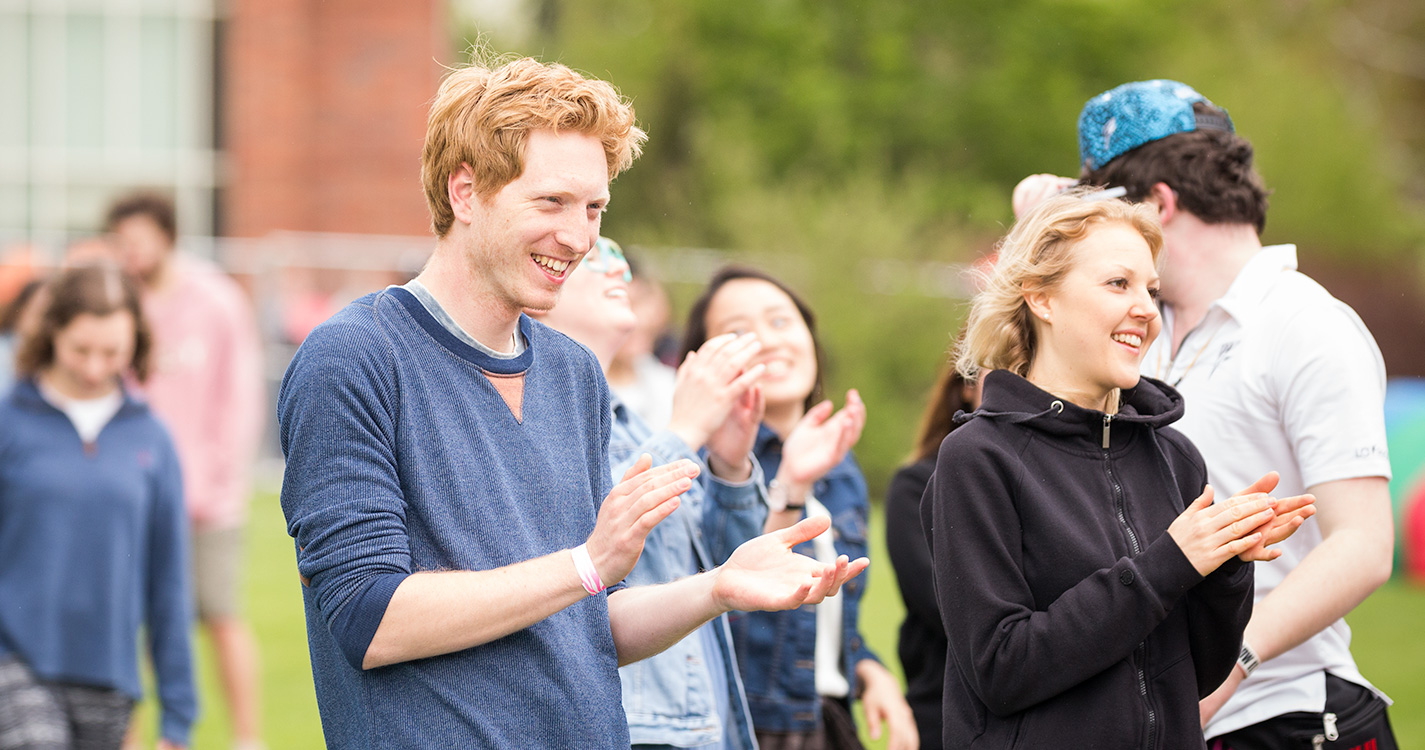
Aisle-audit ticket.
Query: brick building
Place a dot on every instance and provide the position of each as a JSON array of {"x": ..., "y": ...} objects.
[
  {"x": 256, "y": 115},
  {"x": 323, "y": 109}
]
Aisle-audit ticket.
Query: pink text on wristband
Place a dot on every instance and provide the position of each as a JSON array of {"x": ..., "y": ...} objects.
[{"x": 588, "y": 574}]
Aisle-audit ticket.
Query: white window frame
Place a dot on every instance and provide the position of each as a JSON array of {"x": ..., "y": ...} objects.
[{"x": 50, "y": 172}]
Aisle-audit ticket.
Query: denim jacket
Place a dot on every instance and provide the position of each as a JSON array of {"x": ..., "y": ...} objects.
[
  {"x": 668, "y": 697},
  {"x": 776, "y": 650}
]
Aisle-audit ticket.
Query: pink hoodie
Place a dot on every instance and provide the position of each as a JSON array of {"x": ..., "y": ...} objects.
[{"x": 206, "y": 384}]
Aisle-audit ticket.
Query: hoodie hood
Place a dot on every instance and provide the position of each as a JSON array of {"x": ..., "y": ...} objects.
[{"x": 1151, "y": 403}]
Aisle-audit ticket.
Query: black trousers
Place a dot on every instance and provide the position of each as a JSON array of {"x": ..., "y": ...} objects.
[
  {"x": 837, "y": 731},
  {"x": 1360, "y": 724}
]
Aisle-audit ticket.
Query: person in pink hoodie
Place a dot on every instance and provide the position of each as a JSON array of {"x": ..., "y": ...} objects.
[{"x": 207, "y": 387}]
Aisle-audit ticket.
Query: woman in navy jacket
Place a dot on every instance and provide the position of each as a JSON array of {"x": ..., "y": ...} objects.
[
  {"x": 93, "y": 534},
  {"x": 1090, "y": 590},
  {"x": 802, "y": 668}
]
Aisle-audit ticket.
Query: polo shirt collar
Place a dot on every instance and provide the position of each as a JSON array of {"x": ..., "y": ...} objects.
[{"x": 1255, "y": 280}]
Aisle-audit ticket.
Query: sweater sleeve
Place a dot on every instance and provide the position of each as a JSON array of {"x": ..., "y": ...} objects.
[
  {"x": 1218, "y": 610},
  {"x": 1011, "y": 654},
  {"x": 168, "y": 606},
  {"x": 341, "y": 493},
  {"x": 1219, "y": 607},
  {"x": 906, "y": 542}
]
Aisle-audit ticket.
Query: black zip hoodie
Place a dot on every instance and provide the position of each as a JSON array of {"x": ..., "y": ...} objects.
[{"x": 1074, "y": 619}]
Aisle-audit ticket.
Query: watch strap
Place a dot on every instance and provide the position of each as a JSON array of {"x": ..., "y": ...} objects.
[{"x": 779, "y": 499}]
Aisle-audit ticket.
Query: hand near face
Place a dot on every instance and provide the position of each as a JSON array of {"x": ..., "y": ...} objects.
[
  {"x": 765, "y": 574},
  {"x": 646, "y": 496},
  {"x": 820, "y": 441},
  {"x": 1032, "y": 190},
  {"x": 730, "y": 445},
  {"x": 712, "y": 381}
]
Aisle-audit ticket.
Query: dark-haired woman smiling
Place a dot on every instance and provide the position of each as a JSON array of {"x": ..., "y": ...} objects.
[{"x": 803, "y": 668}]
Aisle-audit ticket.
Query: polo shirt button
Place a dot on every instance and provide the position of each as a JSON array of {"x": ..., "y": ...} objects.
[{"x": 1125, "y": 577}]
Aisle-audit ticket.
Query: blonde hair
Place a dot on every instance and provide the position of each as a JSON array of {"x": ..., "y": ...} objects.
[
  {"x": 1035, "y": 256},
  {"x": 483, "y": 114}
]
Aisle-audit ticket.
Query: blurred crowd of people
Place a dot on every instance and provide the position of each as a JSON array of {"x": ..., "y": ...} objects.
[
  {"x": 1143, "y": 495},
  {"x": 135, "y": 387}
]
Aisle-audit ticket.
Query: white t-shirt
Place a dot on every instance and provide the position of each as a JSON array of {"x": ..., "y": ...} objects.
[
  {"x": 650, "y": 395},
  {"x": 1280, "y": 375},
  {"x": 830, "y": 678},
  {"x": 432, "y": 306},
  {"x": 88, "y": 415}
]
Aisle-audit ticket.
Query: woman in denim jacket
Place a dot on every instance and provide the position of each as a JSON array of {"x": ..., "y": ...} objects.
[
  {"x": 690, "y": 695},
  {"x": 802, "y": 668}
]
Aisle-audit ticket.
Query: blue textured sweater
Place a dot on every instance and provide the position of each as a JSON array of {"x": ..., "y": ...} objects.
[
  {"x": 402, "y": 457},
  {"x": 93, "y": 543}
]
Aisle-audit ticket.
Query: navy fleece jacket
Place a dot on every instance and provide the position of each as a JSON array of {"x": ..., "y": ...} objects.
[
  {"x": 93, "y": 544},
  {"x": 1074, "y": 619}
]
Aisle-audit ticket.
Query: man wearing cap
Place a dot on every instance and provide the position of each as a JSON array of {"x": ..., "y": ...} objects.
[{"x": 1278, "y": 376}]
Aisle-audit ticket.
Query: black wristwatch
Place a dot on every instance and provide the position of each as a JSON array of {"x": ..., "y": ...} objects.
[{"x": 778, "y": 499}]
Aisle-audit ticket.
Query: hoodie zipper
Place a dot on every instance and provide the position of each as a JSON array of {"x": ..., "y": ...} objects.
[
  {"x": 1140, "y": 654},
  {"x": 1141, "y": 657}
]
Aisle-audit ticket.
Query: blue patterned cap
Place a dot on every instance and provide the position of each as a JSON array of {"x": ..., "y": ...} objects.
[{"x": 1133, "y": 114}]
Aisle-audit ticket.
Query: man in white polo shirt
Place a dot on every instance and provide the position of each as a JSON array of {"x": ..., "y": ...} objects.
[{"x": 1277, "y": 375}]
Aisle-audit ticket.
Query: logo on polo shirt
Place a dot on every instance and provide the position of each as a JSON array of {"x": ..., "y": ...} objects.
[{"x": 1223, "y": 353}]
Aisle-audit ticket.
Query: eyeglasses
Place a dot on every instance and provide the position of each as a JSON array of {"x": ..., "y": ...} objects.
[{"x": 604, "y": 254}]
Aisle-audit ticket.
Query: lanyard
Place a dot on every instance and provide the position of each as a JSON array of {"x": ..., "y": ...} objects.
[{"x": 1158, "y": 368}]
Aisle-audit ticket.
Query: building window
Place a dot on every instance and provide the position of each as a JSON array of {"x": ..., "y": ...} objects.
[{"x": 98, "y": 97}]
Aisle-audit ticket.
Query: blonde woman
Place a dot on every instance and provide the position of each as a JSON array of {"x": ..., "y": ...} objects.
[{"x": 1090, "y": 589}]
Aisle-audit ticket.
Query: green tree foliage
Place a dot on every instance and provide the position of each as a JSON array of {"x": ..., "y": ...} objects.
[{"x": 859, "y": 148}]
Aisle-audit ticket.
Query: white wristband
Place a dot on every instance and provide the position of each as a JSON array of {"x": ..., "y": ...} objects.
[
  {"x": 1247, "y": 659},
  {"x": 588, "y": 574}
]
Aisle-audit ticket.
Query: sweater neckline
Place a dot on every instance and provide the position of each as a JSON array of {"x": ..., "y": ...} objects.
[
  {"x": 451, "y": 342},
  {"x": 27, "y": 393}
]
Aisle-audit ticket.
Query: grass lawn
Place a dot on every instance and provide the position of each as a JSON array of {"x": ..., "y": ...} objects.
[{"x": 1386, "y": 643}]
